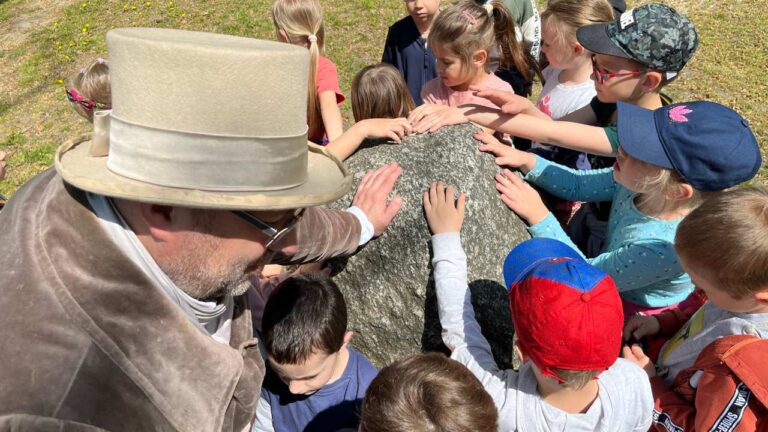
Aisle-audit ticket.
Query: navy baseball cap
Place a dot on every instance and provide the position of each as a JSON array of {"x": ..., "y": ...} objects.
[
  {"x": 619, "y": 6},
  {"x": 711, "y": 146}
]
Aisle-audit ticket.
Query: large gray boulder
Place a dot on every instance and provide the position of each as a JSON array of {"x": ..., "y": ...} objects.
[{"x": 388, "y": 284}]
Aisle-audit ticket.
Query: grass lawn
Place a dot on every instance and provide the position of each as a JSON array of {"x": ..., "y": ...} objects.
[{"x": 44, "y": 41}]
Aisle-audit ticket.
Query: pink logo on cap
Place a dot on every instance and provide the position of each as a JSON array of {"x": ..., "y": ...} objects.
[{"x": 678, "y": 114}]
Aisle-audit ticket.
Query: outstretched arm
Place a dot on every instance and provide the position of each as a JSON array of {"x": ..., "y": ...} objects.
[
  {"x": 345, "y": 145},
  {"x": 461, "y": 332},
  {"x": 331, "y": 114}
]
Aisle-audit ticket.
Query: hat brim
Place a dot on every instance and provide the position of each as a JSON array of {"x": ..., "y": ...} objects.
[
  {"x": 638, "y": 135},
  {"x": 327, "y": 181},
  {"x": 522, "y": 258},
  {"x": 594, "y": 37}
]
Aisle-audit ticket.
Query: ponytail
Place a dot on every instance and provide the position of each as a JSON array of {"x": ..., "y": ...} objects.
[
  {"x": 512, "y": 52},
  {"x": 314, "y": 116},
  {"x": 302, "y": 23}
]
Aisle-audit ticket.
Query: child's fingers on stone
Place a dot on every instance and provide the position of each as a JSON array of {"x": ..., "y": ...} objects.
[{"x": 461, "y": 202}]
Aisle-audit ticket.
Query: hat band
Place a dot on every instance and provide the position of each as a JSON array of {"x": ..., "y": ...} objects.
[{"x": 206, "y": 162}]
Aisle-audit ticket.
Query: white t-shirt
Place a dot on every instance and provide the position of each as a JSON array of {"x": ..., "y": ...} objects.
[
  {"x": 708, "y": 324},
  {"x": 624, "y": 401},
  {"x": 558, "y": 100}
]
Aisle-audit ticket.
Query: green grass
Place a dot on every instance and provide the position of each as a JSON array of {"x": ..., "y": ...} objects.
[{"x": 729, "y": 66}]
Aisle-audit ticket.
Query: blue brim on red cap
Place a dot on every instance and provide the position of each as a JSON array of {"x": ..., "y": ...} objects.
[
  {"x": 639, "y": 136},
  {"x": 522, "y": 258}
]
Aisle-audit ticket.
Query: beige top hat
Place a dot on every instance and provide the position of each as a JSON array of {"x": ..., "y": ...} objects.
[{"x": 204, "y": 120}]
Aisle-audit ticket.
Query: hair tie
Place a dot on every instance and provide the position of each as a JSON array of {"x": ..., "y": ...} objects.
[
  {"x": 312, "y": 38},
  {"x": 472, "y": 20},
  {"x": 488, "y": 6},
  {"x": 100, "y": 60}
]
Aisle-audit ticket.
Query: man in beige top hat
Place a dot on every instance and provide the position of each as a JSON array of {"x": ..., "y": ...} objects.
[{"x": 124, "y": 269}]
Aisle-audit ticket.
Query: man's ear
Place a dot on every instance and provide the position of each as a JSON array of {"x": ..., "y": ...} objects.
[
  {"x": 160, "y": 220},
  {"x": 479, "y": 57},
  {"x": 652, "y": 81}
]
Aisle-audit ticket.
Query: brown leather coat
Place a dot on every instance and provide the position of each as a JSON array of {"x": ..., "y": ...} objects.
[{"x": 88, "y": 342}]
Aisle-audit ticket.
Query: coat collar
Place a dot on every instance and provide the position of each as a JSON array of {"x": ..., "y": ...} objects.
[{"x": 191, "y": 378}]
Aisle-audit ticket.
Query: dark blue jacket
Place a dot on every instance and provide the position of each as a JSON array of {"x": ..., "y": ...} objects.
[{"x": 406, "y": 50}]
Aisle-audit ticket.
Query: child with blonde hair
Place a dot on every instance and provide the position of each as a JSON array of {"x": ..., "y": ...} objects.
[
  {"x": 667, "y": 160},
  {"x": 461, "y": 38},
  {"x": 89, "y": 89},
  {"x": 567, "y": 82},
  {"x": 708, "y": 375},
  {"x": 300, "y": 22}
]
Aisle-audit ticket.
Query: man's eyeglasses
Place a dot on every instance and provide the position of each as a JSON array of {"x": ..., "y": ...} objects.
[
  {"x": 602, "y": 77},
  {"x": 274, "y": 234}
]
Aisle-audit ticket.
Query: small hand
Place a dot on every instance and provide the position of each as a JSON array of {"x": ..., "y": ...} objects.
[
  {"x": 508, "y": 102},
  {"x": 372, "y": 193},
  {"x": 444, "y": 213},
  {"x": 636, "y": 355},
  {"x": 423, "y": 110},
  {"x": 394, "y": 129},
  {"x": 520, "y": 197},
  {"x": 505, "y": 155},
  {"x": 638, "y": 326},
  {"x": 436, "y": 118}
]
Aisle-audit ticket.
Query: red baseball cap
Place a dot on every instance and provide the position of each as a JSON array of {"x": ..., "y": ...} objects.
[{"x": 567, "y": 313}]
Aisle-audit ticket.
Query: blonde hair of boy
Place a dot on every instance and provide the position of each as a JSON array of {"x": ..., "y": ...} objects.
[
  {"x": 727, "y": 237},
  {"x": 567, "y": 16},
  {"x": 427, "y": 393},
  {"x": 91, "y": 84},
  {"x": 468, "y": 26},
  {"x": 379, "y": 91},
  {"x": 302, "y": 23}
]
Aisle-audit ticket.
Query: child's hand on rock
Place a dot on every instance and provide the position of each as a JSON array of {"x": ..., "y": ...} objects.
[
  {"x": 394, "y": 129},
  {"x": 505, "y": 155},
  {"x": 2, "y": 164},
  {"x": 520, "y": 197},
  {"x": 444, "y": 212}
]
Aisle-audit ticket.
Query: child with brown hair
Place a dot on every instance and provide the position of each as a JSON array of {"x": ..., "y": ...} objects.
[
  {"x": 567, "y": 316},
  {"x": 461, "y": 38},
  {"x": 427, "y": 393},
  {"x": 380, "y": 105},
  {"x": 300, "y": 22},
  {"x": 89, "y": 89},
  {"x": 314, "y": 380},
  {"x": 708, "y": 375},
  {"x": 378, "y": 91}
]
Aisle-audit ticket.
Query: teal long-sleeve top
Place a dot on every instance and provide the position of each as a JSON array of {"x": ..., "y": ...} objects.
[{"x": 639, "y": 253}]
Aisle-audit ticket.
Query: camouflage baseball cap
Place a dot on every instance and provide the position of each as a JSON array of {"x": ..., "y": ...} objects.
[{"x": 654, "y": 35}]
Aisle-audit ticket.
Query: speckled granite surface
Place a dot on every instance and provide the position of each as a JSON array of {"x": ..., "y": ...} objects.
[{"x": 388, "y": 284}]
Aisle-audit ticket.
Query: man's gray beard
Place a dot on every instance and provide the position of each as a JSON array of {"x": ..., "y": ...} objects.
[{"x": 200, "y": 285}]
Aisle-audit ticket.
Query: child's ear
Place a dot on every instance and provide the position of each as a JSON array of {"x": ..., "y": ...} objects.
[
  {"x": 652, "y": 81},
  {"x": 347, "y": 338},
  {"x": 762, "y": 296},
  {"x": 519, "y": 353},
  {"x": 682, "y": 192},
  {"x": 281, "y": 36},
  {"x": 479, "y": 57},
  {"x": 578, "y": 49}
]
